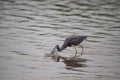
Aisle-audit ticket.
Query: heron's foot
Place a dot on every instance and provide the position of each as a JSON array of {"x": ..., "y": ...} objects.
[{"x": 82, "y": 50}]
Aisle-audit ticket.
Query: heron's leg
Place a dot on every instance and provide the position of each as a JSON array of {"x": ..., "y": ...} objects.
[
  {"x": 82, "y": 50},
  {"x": 75, "y": 53}
]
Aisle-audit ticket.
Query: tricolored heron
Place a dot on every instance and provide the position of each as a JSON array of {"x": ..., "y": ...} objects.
[{"x": 71, "y": 41}]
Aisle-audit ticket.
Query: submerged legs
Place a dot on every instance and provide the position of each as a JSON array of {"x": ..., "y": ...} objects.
[
  {"x": 76, "y": 52},
  {"x": 82, "y": 50},
  {"x": 75, "y": 57}
]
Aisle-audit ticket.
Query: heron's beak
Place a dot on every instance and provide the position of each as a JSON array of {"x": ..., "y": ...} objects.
[{"x": 53, "y": 51}]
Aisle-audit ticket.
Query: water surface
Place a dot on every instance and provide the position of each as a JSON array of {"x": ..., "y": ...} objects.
[{"x": 31, "y": 28}]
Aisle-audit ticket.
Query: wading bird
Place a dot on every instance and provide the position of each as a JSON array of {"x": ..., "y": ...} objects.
[{"x": 70, "y": 41}]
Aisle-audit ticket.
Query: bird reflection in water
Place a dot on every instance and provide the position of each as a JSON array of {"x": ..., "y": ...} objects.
[{"x": 69, "y": 61}]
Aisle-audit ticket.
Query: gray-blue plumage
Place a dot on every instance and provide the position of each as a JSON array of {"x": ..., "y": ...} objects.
[{"x": 70, "y": 41}]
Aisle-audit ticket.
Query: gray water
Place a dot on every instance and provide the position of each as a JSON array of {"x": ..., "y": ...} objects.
[{"x": 31, "y": 28}]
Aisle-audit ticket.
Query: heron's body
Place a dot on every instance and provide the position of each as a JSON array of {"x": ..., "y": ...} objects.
[{"x": 70, "y": 41}]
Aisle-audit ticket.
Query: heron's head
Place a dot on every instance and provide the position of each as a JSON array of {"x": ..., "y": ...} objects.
[
  {"x": 53, "y": 51},
  {"x": 57, "y": 46}
]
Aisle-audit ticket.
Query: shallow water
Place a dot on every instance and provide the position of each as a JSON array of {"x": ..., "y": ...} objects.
[{"x": 31, "y": 28}]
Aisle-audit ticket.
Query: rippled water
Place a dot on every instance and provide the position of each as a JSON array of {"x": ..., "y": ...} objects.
[{"x": 31, "y": 28}]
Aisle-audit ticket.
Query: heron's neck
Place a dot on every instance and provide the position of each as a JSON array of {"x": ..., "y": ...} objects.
[
  {"x": 58, "y": 48},
  {"x": 62, "y": 47}
]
